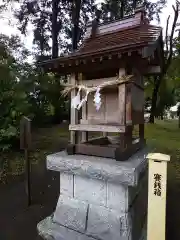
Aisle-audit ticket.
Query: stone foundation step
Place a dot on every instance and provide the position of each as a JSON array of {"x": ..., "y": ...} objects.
[{"x": 49, "y": 230}]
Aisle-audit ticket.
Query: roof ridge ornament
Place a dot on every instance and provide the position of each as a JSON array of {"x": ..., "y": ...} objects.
[
  {"x": 139, "y": 8},
  {"x": 95, "y": 23},
  {"x": 140, "y": 12}
]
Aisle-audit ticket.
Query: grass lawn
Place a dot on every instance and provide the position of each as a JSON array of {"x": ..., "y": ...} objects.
[
  {"x": 163, "y": 136},
  {"x": 44, "y": 141}
]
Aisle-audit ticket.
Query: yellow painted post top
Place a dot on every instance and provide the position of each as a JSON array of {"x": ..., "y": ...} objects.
[{"x": 158, "y": 157}]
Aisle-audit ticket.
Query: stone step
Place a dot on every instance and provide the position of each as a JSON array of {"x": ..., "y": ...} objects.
[{"x": 49, "y": 230}]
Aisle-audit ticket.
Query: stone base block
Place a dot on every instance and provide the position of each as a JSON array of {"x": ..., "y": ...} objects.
[
  {"x": 71, "y": 213},
  {"x": 49, "y": 230},
  {"x": 101, "y": 222},
  {"x": 99, "y": 192},
  {"x": 90, "y": 190},
  {"x": 127, "y": 173},
  {"x": 99, "y": 198}
]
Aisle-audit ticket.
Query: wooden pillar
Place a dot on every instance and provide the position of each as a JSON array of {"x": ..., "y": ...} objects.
[
  {"x": 104, "y": 134},
  {"x": 84, "y": 134},
  {"x": 141, "y": 126},
  {"x": 157, "y": 196},
  {"x": 139, "y": 80},
  {"x": 141, "y": 131},
  {"x": 121, "y": 99},
  {"x": 74, "y": 112},
  {"x": 126, "y": 137}
]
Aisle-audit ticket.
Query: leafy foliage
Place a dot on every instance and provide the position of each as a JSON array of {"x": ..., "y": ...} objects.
[
  {"x": 44, "y": 96},
  {"x": 13, "y": 99},
  {"x": 59, "y": 25},
  {"x": 55, "y": 24},
  {"x": 25, "y": 91},
  {"x": 114, "y": 9}
]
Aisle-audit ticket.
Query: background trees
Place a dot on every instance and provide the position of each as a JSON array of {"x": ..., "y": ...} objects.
[
  {"x": 167, "y": 59},
  {"x": 25, "y": 90},
  {"x": 58, "y": 27},
  {"x": 13, "y": 99}
]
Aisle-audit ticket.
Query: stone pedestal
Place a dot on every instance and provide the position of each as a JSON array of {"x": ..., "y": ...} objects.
[{"x": 99, "y": 198}]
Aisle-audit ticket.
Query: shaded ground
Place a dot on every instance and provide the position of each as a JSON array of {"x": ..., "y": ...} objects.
[{"x": 18, "y": 222}]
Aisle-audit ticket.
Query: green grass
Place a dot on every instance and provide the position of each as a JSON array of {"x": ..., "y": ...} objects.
[
  {"x": 163, "y": 136},
  {"x": 44, "y": 141}
]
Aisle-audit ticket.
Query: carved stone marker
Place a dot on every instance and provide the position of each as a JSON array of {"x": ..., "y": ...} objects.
[
  {"x": 157, "y": 196},
  {"x": 99, "y": 198}
]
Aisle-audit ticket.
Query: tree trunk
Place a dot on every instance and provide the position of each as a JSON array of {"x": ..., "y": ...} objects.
[
  {"x": 76, "y": 7},
  {"x": 166, "y": 61},
  {"x": 134, "y": 4},
  {"x": 122, "y": 9},
  {"x": 157, "y": 81},
  {"x": 55, "y": 28}
]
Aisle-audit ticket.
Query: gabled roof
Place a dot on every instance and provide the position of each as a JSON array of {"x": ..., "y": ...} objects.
[
  {"x": 125, "y": 35},
  {"x": 136, "y": 35}
]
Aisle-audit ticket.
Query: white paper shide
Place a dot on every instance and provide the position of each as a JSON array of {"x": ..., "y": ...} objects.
[
  {"x": 97, "y": 99},
  {"x": 77, "y": 102}
]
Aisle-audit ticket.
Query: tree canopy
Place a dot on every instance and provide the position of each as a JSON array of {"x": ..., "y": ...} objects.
[{"x": 59, "y": 25}]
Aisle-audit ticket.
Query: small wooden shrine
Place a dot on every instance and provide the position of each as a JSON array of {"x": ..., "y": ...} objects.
[{"x": 106, "y": 85}]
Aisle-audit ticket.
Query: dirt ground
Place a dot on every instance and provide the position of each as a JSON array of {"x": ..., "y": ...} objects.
[{"x": 17, "y": 221}]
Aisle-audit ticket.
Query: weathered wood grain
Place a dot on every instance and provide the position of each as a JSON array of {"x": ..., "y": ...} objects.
[{"x": 96, "y": 128}]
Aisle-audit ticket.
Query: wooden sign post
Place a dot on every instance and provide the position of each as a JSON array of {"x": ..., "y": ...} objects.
[
  {"x": 157, "y": 196},
  {"x": 25, "y": 144}
]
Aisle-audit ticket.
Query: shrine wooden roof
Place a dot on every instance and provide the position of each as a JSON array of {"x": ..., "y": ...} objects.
[
  {"x": 127, "y": 37},
  {"x": 119, "y": 37}
]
